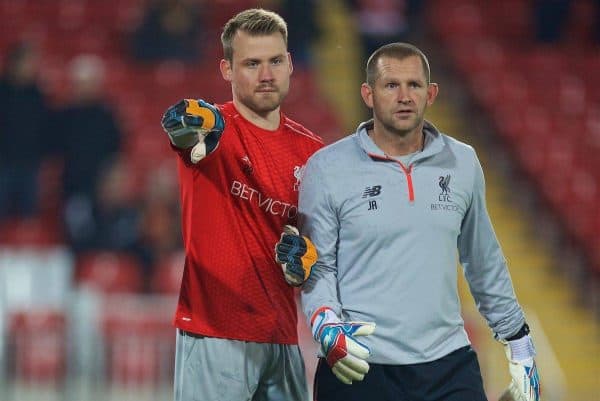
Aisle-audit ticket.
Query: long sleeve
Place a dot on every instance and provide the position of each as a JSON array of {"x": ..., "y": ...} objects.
[
  {"x": 485, "y": 265},
  {"x": 318, "y": 220}
]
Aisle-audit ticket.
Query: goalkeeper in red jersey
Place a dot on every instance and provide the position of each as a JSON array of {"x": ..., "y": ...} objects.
[{"x": 239, "y": 166}]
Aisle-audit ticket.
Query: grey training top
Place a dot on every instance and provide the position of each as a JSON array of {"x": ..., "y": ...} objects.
[{"x": 387, "y": 237}]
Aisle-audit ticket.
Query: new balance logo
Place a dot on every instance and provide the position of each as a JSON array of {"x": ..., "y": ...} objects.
[{"x": 371, "y": 191}]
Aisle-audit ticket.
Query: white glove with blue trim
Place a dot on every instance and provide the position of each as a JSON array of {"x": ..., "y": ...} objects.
[
  {"x": 344, "y": 353},
  {"x": 525, "y": 385}
]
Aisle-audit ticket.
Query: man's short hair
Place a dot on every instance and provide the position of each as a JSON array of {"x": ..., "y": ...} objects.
[
  {"x": 255, "y": 22},
  {"x": 398, "y": 51}
]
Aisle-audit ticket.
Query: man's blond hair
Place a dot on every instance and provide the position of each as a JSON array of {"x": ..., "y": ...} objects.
[{"x": 255, "y": 22}]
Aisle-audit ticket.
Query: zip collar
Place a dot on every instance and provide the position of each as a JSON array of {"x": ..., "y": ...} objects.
[{"x": 433, "y": 142}]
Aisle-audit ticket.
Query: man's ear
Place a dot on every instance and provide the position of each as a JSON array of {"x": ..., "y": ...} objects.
[
  {"x": 432, "y": 92},
  {"x": 366, "y": 92},
  {"x": 225, "y": 67}
]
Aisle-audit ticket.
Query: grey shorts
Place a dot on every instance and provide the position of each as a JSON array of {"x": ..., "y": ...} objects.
[{"x": 216, "y": 369}]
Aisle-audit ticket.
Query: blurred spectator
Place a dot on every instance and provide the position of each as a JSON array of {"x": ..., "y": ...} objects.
[
  {"x": 303, "y": 29},
  {"x": 170, "y": 30},
  {"x": 551, "y": 18},
  {"x": 112, "y": 224},
  {"x": 87, "y": 137},
  {"x": 160, "y": 229},
  {"x": 23, "y": 119},
  {"x": 380, "y": 22}
]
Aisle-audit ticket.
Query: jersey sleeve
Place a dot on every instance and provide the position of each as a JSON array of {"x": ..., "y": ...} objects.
[
  {"x": 318, "y": 221},
  {"x": 485, "y": 265}
]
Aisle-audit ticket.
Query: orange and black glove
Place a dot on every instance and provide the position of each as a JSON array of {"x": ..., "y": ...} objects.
[
  {"x": 194, "y": 124},
  {"x": 296, "y": 254}
]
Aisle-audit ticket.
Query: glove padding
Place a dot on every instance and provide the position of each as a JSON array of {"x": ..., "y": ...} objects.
[
  {"x": 510, "y": 394},
  {"x": 525, "y": 385},
  {"x": 344, "y": 353},
  {"x": 194, "y": 124},
  {"x": 296, "y": 254}
]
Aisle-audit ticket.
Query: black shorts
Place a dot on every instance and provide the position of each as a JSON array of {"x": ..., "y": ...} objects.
[{"x": 454, "y": 377}]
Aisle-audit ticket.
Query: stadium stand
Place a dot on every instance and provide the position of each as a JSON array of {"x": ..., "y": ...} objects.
[
  {"x": 544, "y": 99},
  {"x": 38, "y": 345},
  {"x": 138, "y": 339},
  {"x": 109, "y": 272},
  {"x": 35, "y": 286},
  {"x": 126, "y": 334},
  {"x": 120, "y": 332},
  {"x": 531, "y": 109}
]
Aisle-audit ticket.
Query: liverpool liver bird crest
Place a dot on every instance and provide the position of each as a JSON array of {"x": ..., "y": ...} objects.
[{"x": 445, "y": 184}]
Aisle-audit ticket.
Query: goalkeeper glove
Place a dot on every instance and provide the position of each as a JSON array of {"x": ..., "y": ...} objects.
[
  {"x": 296, "y": 254},
  {"x": 194, "y": 124},
  {"x": 344, "y": 353},
  {"x": 525, "y": 385},
  {"x": 511, "y": 393}
]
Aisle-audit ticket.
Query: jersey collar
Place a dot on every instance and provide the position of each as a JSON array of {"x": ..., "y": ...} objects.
[{"x": 433, "y": 141}]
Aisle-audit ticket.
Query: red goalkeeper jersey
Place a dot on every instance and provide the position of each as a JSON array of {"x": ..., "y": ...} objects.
[{"x": 235, "y": 203}]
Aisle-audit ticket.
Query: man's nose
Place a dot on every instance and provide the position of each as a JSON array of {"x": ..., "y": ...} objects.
[
  {"x": 403, "y": 96},
  {"x": 266, "y": 73}
]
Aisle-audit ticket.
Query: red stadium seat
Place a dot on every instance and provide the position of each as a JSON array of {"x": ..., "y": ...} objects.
[
  {"x": 494, "y": 88},
  {"x": 138, "y": 339},
  {"x": 37, "y": 339},
  {"x": 509, "y": 20},
  {"x": 27, "y": 232},
  {"x": 481, "y": 55},
  {"x": 458, "y": 20},
  {"x": 109, "y": 272},
  {"x": 545, "y": 104},
  {"x": 591, "y": 137},
  {"x": 582, "y": 24}
]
